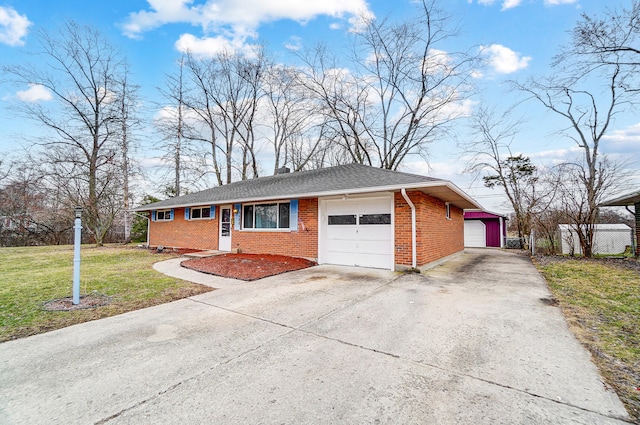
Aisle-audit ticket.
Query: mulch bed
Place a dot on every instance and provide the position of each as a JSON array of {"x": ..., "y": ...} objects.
[
  {"x": 247, "y": 266},
  {"x": 85, "y": 301}
]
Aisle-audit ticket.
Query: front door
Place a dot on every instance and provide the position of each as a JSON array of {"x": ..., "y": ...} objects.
[{"x": 224, "y": 238}]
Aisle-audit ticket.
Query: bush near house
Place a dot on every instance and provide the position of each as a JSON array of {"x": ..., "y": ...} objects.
[{"x": 601, "y": 300}]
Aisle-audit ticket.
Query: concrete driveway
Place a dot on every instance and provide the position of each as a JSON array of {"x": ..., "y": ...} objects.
[{"x": 471, "y": 342}]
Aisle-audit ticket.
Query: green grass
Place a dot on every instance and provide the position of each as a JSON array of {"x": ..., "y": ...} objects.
[
  {"x": 601, "y": 301},
  {"x": 32, "y": 276}
]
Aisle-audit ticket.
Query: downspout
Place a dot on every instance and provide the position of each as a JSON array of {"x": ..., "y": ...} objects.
[
  {"x": 502, "y": 232},
  {"x": 413, "y": 227},
  {"x": 148, "y": 225}
]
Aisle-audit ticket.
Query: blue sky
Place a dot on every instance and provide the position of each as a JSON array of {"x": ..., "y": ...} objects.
[{"x": 518, "y": 39}]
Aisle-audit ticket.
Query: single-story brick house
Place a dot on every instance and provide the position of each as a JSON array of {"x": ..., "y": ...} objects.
[
  {"x": 484, "y": 229},
  {"x": 348, "y": 215}
]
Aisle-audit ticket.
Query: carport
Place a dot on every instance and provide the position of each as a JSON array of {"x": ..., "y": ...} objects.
[{"x": 631, "y": 199}]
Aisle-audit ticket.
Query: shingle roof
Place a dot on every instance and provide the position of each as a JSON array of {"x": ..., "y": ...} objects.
[
  {"x": 628, "y": 199},
  {"x": 351, "y": 178}
]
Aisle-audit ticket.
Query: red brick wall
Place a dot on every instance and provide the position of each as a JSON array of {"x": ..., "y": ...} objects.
[
  {"x": 203, "y": 234},
  {"x": 436, "y": 236},
  {"x": 302, "y": 243},
  {"x": 181, "y": 233}
]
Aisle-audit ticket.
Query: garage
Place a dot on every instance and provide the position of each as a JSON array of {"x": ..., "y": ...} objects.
[
  {"x": 357, "y": 232},
  {"x": 474, "y": 234}
]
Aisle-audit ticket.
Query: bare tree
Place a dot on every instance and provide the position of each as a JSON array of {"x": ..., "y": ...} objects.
[
  {"x": 250, "y": 74},
  {"x": 5, "y": 167},
  {"x": 225, "y": 94},
  {"x": 128, "y": 122},
  {"x": 400, "y": 92},
  {"x": 602, "y": 55},
  {"x": 342, "y": 102},
  {"x": 546, "y": 222},
  {"x": 489, "y": 153},
  {"x": 185, "y": 166},
  {"x": 292, "y": 116},
  {"x": 84, "y": 75},
  {"x": 589, "y": 116},
  {"x": 31, "y": 211},
  {"x": 613, "y": 39},
  {"x": 579, "y": 202}
]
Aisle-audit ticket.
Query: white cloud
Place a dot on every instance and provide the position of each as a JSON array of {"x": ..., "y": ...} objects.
[
  {"x": 294, "y": 43},
  {"x": 34, "y": 93},
  {"x": 510, "y": 4},
  {"x": 13, "y": 26},
  {"x": 205, "y": 46},
  {"x": 504, "y": 60},
  {"x": 359, "y": 21},
  {"x": 625, "y": 141},
  {"x": 237, "y": 20},
  {"x": 558, "y": 2}
]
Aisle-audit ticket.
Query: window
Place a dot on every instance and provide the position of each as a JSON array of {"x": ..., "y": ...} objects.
[
  {"x": 283, "y": 215},
  {"x": 447, "y": 210},
  {"x": 203, "y": 212},
  {"x": 342, "y": 220},
  {"x": 266, "y": 216},
  {"x": 375, "y": 219},
  {"x": 164, "y": 215},
  {"x": 248, "y": 216}
]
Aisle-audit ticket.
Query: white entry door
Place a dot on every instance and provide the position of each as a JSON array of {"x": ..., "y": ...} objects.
[
  {"x": 224, "y": 237},
  {"x": 358, "y": 232}
]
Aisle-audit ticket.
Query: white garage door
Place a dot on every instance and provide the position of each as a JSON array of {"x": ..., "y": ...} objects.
[
  {"x": 475, "y": 235},
  {"x": 357, "y": 232}
]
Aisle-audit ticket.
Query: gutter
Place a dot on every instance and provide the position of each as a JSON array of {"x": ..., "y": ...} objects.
[{"x": 413, "y": 227}]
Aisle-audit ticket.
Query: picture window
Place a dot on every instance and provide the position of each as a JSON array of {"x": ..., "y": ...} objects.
[{"x": 266, "y": 216}]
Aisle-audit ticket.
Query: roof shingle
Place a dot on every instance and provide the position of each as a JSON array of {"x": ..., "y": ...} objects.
[{"x": 312, "y": 183}]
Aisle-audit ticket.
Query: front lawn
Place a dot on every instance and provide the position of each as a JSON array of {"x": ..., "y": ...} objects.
[
  {"x": 30, "y": 277},
  {"x": 601, "y": 301}
]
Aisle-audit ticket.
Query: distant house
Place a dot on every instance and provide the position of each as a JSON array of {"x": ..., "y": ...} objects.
[
  {"x": 631, "y": 199},
  {"x": 484, "y": 229},
  {"x": 347, "y": 215},
  {"x": 609, "y": 239}
]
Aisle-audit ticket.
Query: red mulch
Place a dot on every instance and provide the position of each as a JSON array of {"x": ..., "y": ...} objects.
[{"x": 247, "y": 266}]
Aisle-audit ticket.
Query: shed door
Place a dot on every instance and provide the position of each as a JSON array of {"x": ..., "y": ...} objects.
[
  {"x": 475, "y": 235},
  {"x": 358, "y": 232}
]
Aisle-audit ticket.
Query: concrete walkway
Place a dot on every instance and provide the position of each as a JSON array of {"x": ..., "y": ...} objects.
[
  {"x": 172, "y": 268},
  {"x": 471, "y": 342}
]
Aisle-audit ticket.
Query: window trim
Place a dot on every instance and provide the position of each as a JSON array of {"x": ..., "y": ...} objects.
[
  {"x": 191, "y": 209},
  {"x": 447, "y": 210},
  {"x": 265, "y": 229},
  {"x": 166, "y": 212}
]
